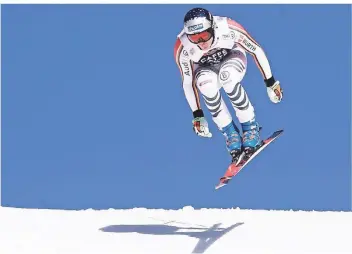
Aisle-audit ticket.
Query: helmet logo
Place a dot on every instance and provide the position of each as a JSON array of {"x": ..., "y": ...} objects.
[{"x": 195, "y": 27}]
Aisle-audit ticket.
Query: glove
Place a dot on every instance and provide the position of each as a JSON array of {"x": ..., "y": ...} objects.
[
  {"x": 200, "y": 127},
  {"x": 274, "y": 90}
]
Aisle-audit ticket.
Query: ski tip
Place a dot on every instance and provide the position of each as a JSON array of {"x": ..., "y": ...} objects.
[
  {"x": 219, "y": 186},
  {"x": 277, "y": 133},
  {"x": 222, "y": 183}
]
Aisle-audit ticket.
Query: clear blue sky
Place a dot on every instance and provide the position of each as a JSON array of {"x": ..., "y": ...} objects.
[{"x": 93, "y": 113}]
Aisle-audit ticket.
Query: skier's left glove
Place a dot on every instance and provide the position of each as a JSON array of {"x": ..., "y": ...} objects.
[{"x": 274, "y": 90}]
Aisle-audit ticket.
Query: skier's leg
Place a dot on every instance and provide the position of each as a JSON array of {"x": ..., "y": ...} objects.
[
  {"x": 206, "y": 79},
  {"x": 231, "y": 74}
]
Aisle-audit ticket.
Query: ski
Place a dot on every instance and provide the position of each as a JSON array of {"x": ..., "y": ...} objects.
[{"x": 235, "y": 168}]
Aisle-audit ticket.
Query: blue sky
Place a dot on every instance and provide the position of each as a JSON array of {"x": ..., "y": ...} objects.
[{"x": 94, "y": 115}]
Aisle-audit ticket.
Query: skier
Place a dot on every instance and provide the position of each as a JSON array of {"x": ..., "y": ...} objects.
[{"x": 211, "y": 52}]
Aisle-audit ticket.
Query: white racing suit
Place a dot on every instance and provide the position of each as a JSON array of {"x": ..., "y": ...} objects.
[{"x": 222, "y": 66}]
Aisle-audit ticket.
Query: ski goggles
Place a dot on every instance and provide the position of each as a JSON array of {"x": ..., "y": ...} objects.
[{"x": 200, "y": 37}]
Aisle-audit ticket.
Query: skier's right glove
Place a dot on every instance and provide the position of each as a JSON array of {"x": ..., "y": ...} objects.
[{"x": 200, "y": 127}]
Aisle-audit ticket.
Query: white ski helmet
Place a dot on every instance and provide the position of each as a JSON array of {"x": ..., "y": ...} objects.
[{"x": 199, "y": 25}]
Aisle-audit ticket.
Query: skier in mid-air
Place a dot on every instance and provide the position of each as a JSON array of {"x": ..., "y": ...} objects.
[{"x": 211, "y": 52}]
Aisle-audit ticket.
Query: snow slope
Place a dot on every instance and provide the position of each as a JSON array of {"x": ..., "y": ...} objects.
[{"x": 181, "y": 231}]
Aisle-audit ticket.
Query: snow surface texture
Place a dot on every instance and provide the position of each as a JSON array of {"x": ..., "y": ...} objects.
[{"x": 139, "y": 230}]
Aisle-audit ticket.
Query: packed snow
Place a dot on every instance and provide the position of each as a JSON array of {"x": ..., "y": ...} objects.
[{"x": 140, "y": 230}]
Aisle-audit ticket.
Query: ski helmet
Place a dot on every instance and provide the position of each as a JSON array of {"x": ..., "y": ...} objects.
[{"x": 198, "y": 25}]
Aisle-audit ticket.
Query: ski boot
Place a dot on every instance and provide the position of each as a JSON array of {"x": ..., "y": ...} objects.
[
  {"x": 233, "y": 141},
  {"x": 251, "y": 140}
]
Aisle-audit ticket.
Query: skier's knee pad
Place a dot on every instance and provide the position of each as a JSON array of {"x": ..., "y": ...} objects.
[
  {"x": 206, "y": 81},
  {"x": 231, "y": 72},
  {"x": 233, "y": 69}
]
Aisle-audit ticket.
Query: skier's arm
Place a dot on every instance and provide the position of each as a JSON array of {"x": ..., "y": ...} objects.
[
  {"x": 200, "y": 125},
  {"x": 186, "y": 69},
  {"x": 252, "y": 47}
]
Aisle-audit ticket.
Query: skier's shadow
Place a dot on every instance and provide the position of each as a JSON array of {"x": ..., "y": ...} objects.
[{"x": 206, "y": 236}]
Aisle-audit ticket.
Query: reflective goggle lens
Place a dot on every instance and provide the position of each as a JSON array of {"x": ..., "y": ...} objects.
[{"x": 200, "y": 37}]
